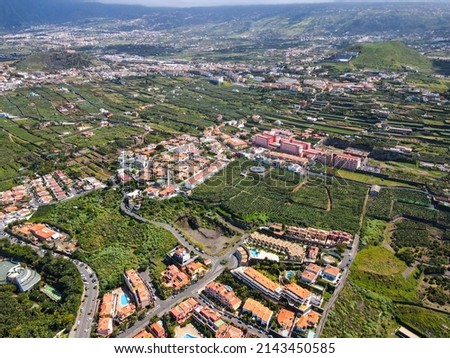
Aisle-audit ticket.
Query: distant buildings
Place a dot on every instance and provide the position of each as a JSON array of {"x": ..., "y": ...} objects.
[
  {"x": 205, "y": 174},
  {"x": 292, "y": 250}
]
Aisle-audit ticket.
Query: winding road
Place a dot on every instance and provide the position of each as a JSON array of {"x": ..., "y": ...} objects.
[{"x": 216, "y": 269}]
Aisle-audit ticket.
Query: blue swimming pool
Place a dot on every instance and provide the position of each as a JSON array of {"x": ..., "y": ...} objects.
[
  {"x": 124, "y": 299},
  {"x": 254, "y": 252},
  {"x": 289, "y": 274},
  {"x": 187, "y": 335}
]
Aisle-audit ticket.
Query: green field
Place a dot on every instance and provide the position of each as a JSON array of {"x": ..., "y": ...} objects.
[
  {"x": 429, "y": 323},
  {"x": 378, "y": 270},
  {"x": 392, "y": 55},
  {"x": 108, "y": 241},
  {"x": 360, "y": 313},
  {"x": 274, "y": 197},
  {"x": 369, "y": 179}
]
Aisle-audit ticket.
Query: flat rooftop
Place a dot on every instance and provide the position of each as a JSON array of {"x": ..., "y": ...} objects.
[{"x": 5, "y": 266}]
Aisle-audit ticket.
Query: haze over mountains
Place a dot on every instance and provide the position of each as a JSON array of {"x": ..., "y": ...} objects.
[{"x": 287, "y": 20}]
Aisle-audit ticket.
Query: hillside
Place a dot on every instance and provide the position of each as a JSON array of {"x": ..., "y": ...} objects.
[
  {"x": 53, "y": 61},
  {"x": 391, "y": 55}
]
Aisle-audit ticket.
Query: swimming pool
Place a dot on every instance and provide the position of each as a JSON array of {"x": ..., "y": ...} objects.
[
  {"x": 124, "y": 299},
  {"x": 289, "y": 274},
  {"x": 187, "y": 335},
  {"x": 254, "y": 252}
]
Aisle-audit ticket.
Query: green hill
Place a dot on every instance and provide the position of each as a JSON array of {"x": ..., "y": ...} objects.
[
  {"x": 53, "y": 61},
  {"x": 393, "y": 55}
]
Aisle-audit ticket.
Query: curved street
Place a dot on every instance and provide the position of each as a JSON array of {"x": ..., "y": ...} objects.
[{"x": 216, "y": 269}]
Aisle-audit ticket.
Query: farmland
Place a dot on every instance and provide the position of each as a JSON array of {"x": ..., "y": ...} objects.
[{"x": 256, "y": 200}]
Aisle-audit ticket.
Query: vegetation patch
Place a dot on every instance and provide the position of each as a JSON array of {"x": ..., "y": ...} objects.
[{"x": 109, "y": 241}]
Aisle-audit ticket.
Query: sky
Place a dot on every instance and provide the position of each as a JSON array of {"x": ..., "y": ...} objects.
[{"x": 188, "y": 3}]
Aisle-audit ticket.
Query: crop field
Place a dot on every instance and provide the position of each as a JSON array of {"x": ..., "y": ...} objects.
[
  {"x": 274, "y": 197},
  {"x": 392, "y": 202}
]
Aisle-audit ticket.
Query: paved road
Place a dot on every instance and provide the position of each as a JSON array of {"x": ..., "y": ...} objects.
[
  {"x": 87, "y": 308},
  {"x": 163, "y": 306},
  {"x": 217, "y": 268},
  {"x": 345, "y": 265}
]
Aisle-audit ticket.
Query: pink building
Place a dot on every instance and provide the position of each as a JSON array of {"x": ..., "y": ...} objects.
[{"x": 293, "y": 146}]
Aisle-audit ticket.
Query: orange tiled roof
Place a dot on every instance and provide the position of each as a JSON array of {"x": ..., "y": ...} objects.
[
  {"x": 308, "y": 275},
  {"x": 285, "y": 318},
  {"x": 261, "y": 279},
  {"x": 257, "y": 309},
  {"x": 313, "y": 268},
  {"x": 298, "y": 291},
  {"x": 229, "y": 331},
  {"x": 144, "y": 334},
  {"x": 331, "y": 270}
]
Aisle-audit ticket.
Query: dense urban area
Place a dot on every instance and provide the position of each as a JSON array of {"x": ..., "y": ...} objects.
[{"x": 261, "y": 171}]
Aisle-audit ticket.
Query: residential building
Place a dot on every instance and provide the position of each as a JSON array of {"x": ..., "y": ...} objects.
[
  {"x": 229, "y": 331},
  {"x": 224, "y": 294},
  {"x": 143, "y": 334},
  {"x": 195, "y": 270},
  {"x": 259, "y": 282},
  {"x": 181, "y": 255},
  {"x": 311, "y": 253},
  {"x": 309, "y": 277},
  {"x": 157, "y": 330},
  {"x": 259, "y": 312},
  {"x": 331, "y": 273},
  {"x": 208, "y": 318},
  {"x": 184, "y": 310},
  {"x": 313, "y": 268},
  {"x": 106, "y": 314},
  {"x": 205, "y": 174},
  {"x": 307, "y": 321},
  {"x": 174, "y": 278},
  {"x": 347, "y": 161},
  {"x": 138, "y": 289},
  {"x": 296, "y": 294},
  {"x": 285, "y": 321},
  {"x": 290, "y": 249}
]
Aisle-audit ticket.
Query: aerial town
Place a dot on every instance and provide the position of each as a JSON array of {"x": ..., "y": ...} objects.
[{"x": 155, "y": 184}]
